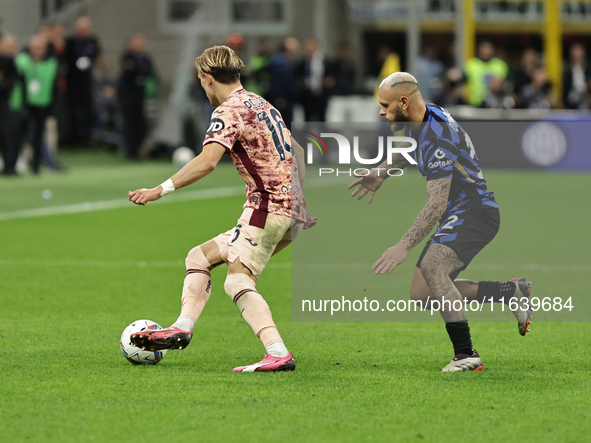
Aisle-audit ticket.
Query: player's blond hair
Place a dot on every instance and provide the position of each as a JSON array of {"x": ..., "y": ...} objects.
[
  {"x": 399, "y": 78},
  {"x": 221, "y": 62}
]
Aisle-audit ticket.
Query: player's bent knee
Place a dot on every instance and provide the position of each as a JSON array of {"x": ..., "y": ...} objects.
[
  {"x": 237, "y": 284},
  {"x": 433, "y": 270},
  {"x": 428, "y": 269},
  {"x": 196, "y": 259}
]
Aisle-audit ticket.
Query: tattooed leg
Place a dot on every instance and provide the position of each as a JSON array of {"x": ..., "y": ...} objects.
[
  {"x": 438, "y": 263},
  {"x": 420, "y": 292}
]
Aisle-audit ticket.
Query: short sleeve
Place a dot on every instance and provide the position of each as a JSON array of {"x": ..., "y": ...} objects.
[
  {"x": 226, "y": 128},
  {"x": 440, "y": 157}
]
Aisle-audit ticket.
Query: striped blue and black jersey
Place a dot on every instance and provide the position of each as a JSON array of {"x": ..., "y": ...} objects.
[{"x": 445, "y": 150}]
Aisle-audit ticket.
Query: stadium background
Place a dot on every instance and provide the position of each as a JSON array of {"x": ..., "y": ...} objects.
[
  {"x": 451, "y": 30},
  {"x": 79, "y": 263}
]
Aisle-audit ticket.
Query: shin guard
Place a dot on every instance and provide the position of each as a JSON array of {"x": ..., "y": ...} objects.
[
  {"x": 197, "y": 286},
  {"x": 254, "y": 309}
]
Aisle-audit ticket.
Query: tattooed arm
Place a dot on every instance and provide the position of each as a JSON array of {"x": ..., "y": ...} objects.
[
  {"x": 438, "y": 192},
  {"x": 398, "y": 161},
  {"x": 373, "y": 181}
]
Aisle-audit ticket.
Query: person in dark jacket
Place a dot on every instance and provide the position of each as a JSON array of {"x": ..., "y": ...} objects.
[
  {"x": 136, "y": 69},
  {"x": 283, "y": 93},
  {"x": 8, "y": 79},
  {"x": 315, "y": 78},
  {"x": 344, "y": 70},
  {"x": 576, "y": 78},
  {"x": 82, "y": 54}
]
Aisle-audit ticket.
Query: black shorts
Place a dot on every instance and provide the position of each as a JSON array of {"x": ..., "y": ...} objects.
[{"x": 466, "y": 233}]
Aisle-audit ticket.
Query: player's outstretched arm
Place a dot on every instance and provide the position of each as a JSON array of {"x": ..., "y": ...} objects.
[
  {"x": 371, "y": 183},
  {"x": 368, "y": 183},
  {"x": 201, "y": 166},
  {"x": 196, "y": 169},
  {"x": 438, "y": 192}
]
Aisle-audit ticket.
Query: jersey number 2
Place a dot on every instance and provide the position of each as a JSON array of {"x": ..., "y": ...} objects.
[
  {"x": 450, "y": 221},
  {"x": 280, "y": 145}
]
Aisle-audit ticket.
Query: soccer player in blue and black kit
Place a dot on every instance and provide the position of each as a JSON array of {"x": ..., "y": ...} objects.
[{"x": 459, "y": 200}]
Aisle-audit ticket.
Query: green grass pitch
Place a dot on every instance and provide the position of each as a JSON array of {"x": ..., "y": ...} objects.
[{"x": 70, "y": 283}]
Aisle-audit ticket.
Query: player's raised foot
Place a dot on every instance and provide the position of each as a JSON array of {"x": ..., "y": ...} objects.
[
  {"x": 269, "y": 364},
  {"x": 522, "y": 313},
  {"x": 465, "y": 362},
  {"x": 167, "y": 338}
]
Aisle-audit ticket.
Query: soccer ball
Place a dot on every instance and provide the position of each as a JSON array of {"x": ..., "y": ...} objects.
[
  {"x": 135, "y": 355},
  {"x": 181, "y": 156}
]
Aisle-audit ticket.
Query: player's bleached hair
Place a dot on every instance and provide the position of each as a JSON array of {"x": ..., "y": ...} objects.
[
  {"x": 399, "y": 78},
  {"x": 221, "y": 62}
]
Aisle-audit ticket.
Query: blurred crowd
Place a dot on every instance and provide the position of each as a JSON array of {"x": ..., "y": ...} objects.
[
  {"x": 286, "y": 78},
  {"x": 56, "y": 89},
  {"x": 486, "y": 81},
  {"x": 50, "y": 96}
]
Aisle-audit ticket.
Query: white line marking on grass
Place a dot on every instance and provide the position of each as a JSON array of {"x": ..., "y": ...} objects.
[
  {"x": 93, "y": 263},
  {"x": 201, "y": 194}
]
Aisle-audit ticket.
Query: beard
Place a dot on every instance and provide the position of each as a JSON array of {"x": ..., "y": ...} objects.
[{"x": 400, "y": 119}]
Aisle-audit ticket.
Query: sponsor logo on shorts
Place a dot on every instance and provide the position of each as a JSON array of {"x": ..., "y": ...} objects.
[{"x": 288, "y": 188}]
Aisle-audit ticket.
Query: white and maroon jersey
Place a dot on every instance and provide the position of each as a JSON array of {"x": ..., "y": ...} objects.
[{"x": 259, "y": 143}]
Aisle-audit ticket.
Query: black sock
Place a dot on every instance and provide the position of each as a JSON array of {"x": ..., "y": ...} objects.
[
  {"x": 494, "y": 291},
  {"x": 459, "y": 334}
]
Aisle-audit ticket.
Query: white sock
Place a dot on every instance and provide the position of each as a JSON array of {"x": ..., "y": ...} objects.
[
  {"x": 277, "y": 349},
  {"x": 186, "y": 324}
]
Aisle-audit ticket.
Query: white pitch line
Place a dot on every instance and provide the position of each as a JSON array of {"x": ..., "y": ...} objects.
[
  {"x": 93, "y": 263},
  {"x": 201, "y": 194}
]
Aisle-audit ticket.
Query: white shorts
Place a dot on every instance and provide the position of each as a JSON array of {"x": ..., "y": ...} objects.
[{"x": 254, "y": 246}]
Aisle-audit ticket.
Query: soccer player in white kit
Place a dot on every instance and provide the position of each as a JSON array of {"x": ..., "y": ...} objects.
[{"x": 259, "y": 143}]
